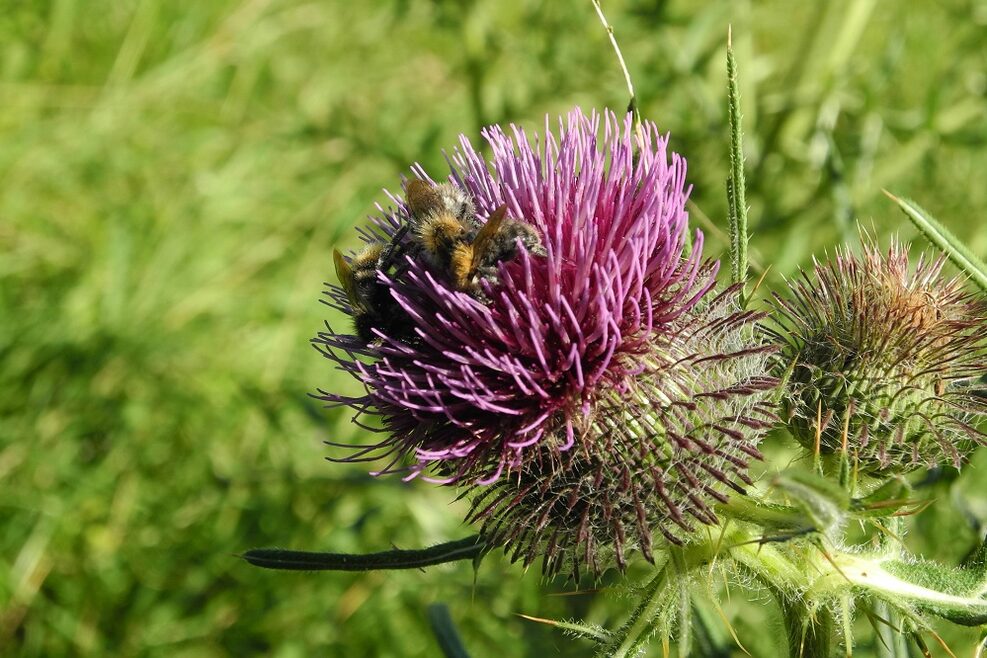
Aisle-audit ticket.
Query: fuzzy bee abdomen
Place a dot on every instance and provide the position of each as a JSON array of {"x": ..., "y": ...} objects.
[
  {"x": 439, "y": 237},
  {"x": 461, "y": 265}
]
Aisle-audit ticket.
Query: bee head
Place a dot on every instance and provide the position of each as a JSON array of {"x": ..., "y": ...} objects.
[
  {"x": 360, "y": 274},
  {"x": 345, "y": 275},
  {"x": 425, "y": 200}
]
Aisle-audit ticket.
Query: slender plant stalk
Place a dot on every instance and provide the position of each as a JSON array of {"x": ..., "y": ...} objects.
[
  {"x": 890, "y": 641},
  {"x": 632, "y": 105},
  {"x": 469, "y": 548},
  {"x": 736, "y": 184}
]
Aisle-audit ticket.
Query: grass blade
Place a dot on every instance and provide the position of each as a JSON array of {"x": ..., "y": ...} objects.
[
  {"x": 632, "y": 104},
  {"x": 445, "y": 631}
]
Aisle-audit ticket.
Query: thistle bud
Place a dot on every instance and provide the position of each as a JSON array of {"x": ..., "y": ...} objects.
[{"x": 882, "y": 360}]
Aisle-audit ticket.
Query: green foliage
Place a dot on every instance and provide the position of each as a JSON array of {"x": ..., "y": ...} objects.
[
  {"x": 445, "y": 631},
  {"x": 174, "y": 177}
]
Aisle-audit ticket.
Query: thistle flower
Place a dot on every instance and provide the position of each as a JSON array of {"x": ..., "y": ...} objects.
[
  {"x": 594, "y": 394},
  {"x": 655, "y": 455},
  {"x": 882, "y": 360}
]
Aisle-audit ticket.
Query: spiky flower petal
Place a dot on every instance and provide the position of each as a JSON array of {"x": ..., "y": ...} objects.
[
  {"x": 882, "y": 359},
  {"x": 592, "y": 379}
]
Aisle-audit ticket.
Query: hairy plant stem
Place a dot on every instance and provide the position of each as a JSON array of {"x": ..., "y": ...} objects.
[
  {"x": 814, "y": 583},
  {"x": 637, "y": 631},
  {"x": 470, "y": 548},
  {"x": 809, "y": 632}
]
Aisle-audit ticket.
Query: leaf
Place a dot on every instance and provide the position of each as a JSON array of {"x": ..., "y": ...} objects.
[
  {"x": 887, "y": 500},
  {"x": 578, "y": 629},
  {"x": 940, "y": 236},
  {"x": 445, "y": 631},
  {"x": 956, "y": 594}
]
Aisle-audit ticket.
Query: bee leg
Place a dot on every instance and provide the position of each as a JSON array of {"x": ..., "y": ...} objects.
[{"x": 393, "y": 250}]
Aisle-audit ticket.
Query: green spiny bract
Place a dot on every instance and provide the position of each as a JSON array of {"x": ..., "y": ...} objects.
[{"x": 882, "y": 360}]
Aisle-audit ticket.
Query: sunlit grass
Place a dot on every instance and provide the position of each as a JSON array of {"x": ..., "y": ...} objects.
[{"x": 173, "y": 177}]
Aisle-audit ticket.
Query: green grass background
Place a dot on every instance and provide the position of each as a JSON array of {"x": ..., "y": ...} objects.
[{"x": 173, "y": 178}]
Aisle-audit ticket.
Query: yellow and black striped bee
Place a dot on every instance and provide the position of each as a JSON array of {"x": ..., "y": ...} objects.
[
  {"x": 445, "y": 234},
  {"x": 370, "y": 300},
  {"x": 448, "y": 236}
]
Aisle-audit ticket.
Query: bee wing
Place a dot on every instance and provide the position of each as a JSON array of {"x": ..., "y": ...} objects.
[
  {"x": 486, "y": 234},
  {"x": 422, "y": 198},
  {"x": 345, "y": 275}
]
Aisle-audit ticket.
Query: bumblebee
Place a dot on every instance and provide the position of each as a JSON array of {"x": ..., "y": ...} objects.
[
  {"x": 448, "y": 236},
  {"x": 498, "y": 242},
  {"x": 370, "y": 300},
  {"x": 444, "y": 199}
]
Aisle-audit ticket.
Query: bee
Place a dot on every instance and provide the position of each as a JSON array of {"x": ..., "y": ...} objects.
[
  {"x": 371, "y": 301},
  {"x": 373, "y": 307},
  {"x": 426, "y": 200},
  {"x": 448, "y": 236}
]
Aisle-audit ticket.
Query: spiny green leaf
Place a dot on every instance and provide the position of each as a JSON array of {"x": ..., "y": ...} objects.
[
  {"x": 887, "y": 500},
  {"x": 579, "y": 629},
  {"x": 940, "y": 236},
  {"x": 823, "y": 500},
  {"x": 956, "y": 594}
]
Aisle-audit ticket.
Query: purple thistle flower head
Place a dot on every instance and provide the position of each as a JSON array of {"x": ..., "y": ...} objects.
[
  {"x": 882, "y": 360},
  {"x": 590, "y": 380}
]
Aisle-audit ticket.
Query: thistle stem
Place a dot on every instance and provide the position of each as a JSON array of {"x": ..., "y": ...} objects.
[
  {"x": 469, "y": 548},
  {"x": 810, "y": 632},
  {"x": 634, "y": 635}
]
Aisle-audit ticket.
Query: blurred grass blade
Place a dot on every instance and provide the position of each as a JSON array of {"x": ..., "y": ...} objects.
[
  {"x": 632, "y": 104},
  {"x": 445, "y": 631},
  {"x": 275, "y": 558},
  {"x": 940, "y": 236},
  {"x": 736, "y": 184}
]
